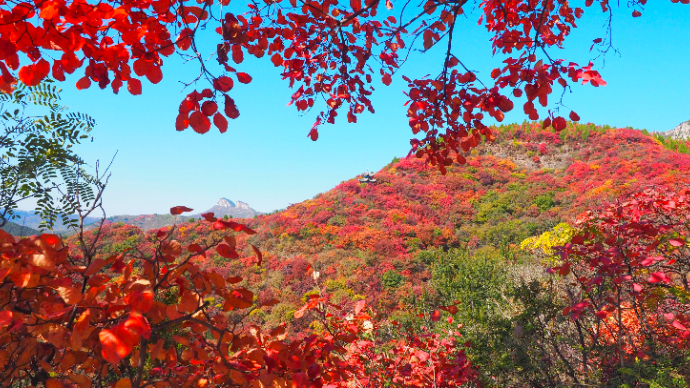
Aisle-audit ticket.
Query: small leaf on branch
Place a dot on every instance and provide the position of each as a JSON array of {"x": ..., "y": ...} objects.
[
  {"x": 244, "y": 78},
  {"x": 179, "y": 210}
]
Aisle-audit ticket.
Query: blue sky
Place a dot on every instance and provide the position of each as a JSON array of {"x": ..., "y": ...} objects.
[{"x": 266, "y": 159}]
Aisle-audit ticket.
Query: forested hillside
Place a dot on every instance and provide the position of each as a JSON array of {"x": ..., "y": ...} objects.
[
  {"x": 376, "y": 240},
  {"x": 489, "y": 246}
]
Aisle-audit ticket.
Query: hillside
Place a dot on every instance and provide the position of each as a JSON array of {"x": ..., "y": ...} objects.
[
  {"x": 378, "y": 240},
  {"x": 19, "y": 230}
]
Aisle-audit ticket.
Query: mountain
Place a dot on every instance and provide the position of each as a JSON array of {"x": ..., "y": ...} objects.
[
  {"x": 379, "y": 240},
  {"x": 225, "y": 207},
  {"x": 32, "y": 220},
  {"x": 19, "y": 230},
  {"x": 147, "y": 221},
  {"x": 681, "y": 132}
]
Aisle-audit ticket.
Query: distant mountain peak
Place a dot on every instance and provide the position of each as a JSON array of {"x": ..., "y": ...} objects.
[
  {"x": 226, "y": 207},
  {"x": 681, "y": 132},
  {"x": 224, "y": 202}
]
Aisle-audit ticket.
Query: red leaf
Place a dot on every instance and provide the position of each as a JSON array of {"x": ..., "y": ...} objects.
[
  {"x": 210, "y": 217},
  {"x": 220, "y": 122},
  {"x": 676, "y": 242},
  {"x": 179, "y": 210},
  {"x": 574, "y": 116},
  {"x": 154, "y": 74},
  {"x": 209, "y": 108},
  {"x": 435, "y": 316},
  {"x": 83, "y": 83},
  {"x": 223, "y": 84},
  {"x": 5, "y": 318},
  {"x": 559, "y": 123},
  {"x": 225, "y": 251},
  {"x": 359, "y": 306},
  {"x": 223, "y": 224},
  {"x": 386, "y": 79},
  {"x": 199, "y": 122},
  {"x": 33, "y": 74},
  {"x": 259, "y": 256},
  {"x": 230, "y": 108},
  {"x": 134, "y": 86},
  {"x": 244, "y": 78},
  {"x": 658, "y": 277}
]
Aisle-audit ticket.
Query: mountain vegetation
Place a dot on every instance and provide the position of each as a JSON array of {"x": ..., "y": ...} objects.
[{"x": 490, "y": 247}]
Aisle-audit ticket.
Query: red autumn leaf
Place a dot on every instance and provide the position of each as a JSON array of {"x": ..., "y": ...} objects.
[
  {"x": 140, "y": 301},
  {"x": 210, "y": 217},
  {"x": 220, "y": 122},
  {"x": 225, "y": 251},
  {"x": 676, "y": 242},
  {"x": 658, "y": 277},
  {"x": 223, "y": 84},
  {"x": 179, "y": 210},
  {"x": 259, "y": 256},
  {"x": 199, "y": 122},
  {"x": 558, "y": 123},
  {"x": 386, "y": 79},
  {"x": 184, "y": 40},
  {"x": 359, "y": 306},
  {"x": 435, "y": 316},
  {"x": 574, "y": 116},
  {"x": 5, "y": 318},
  {"x": 244, "y": 78},
  {"x": 83, "y": 83},
  {"x": 230, "y": 108},
  {"x": 33, "y": 74},
  {"x": 154, "y": 74},
  {"x": 182, "y": 122},
  {"x": 224, "y": 224},
  {"x": 209, "y": 108},
  {"x": 134, "y": 86}
]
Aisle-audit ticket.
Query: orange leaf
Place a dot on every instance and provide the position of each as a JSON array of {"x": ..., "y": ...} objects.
[
  {"x": 5, "y": 318},
  {"x": 69, "y": 294},
  {"x": 123, "y": 383}
]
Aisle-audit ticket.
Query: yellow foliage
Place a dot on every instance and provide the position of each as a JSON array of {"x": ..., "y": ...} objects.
[{"x": 559, "y": 236}]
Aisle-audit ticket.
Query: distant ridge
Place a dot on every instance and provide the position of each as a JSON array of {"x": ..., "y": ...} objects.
[
  {"x": 681, "y": 132},
  {"x": 19, "y": 230},
  {"x": 225, "y": 207}
]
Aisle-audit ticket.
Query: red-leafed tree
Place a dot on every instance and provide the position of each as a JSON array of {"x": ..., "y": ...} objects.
[
  {"x": 630, "y": 294},
  {"x": 329, "y": 50}
]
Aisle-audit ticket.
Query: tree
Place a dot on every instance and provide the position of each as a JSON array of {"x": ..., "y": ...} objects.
[
  {"x": 329, "y": 50},
  {"x": 36, "y": 160}
]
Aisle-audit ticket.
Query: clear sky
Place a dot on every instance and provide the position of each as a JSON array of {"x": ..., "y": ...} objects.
[{"x": 266, "y": 159}]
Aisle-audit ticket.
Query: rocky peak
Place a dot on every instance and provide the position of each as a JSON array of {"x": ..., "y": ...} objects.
[
  {"x": 681, "y": 132},
  {"x": 242, "y": 205},
  {"x": 224, "y": 202}
]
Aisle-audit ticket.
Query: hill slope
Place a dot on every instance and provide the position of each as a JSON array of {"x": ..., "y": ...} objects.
[{"x": 376, "y": 240}]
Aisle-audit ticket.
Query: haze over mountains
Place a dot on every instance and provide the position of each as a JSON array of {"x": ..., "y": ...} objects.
[{"x": 27, "y": 224}]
